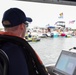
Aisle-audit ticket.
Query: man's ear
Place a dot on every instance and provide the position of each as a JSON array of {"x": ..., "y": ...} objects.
[{"x": 21, "y": 26}]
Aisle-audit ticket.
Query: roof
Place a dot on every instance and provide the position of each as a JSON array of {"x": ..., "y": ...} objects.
[
  {"x": 51, "y": 27},
  {"x": 64, "y": 2}
]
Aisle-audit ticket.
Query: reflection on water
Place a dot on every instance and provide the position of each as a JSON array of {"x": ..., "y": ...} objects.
[{"x": 49, "y": 48}]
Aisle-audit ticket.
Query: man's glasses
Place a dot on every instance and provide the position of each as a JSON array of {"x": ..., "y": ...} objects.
[{"x": 26, "y": 24}]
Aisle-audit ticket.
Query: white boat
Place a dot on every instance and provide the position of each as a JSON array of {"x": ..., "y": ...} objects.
[{"x": 33, "y": 37}]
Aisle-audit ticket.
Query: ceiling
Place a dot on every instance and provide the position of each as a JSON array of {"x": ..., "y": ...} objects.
[{"x": 65, "y": 2}]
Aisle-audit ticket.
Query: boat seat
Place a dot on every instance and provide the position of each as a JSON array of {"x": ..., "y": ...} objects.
[{"x": 3, "y": 63}]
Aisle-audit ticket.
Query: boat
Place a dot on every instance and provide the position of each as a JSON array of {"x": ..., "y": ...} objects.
[
  {"x": 63, "y": 34},
  {"x": 32, "y": 38},
  {"x": 54, "y": 34},
  {"x": 41, "y": 35},
  {"x": 68, "y": 36}
]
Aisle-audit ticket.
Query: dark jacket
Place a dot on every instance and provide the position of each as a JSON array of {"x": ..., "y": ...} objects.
[
  {"x": 17, "y": 62},
  {"x": 23, "y": 60}
]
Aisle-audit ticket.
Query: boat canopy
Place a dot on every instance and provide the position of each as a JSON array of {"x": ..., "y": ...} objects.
[{"x": 51, "y": 27}]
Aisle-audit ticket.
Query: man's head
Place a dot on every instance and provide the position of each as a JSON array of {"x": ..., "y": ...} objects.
[{"x": 15, "y": 18}]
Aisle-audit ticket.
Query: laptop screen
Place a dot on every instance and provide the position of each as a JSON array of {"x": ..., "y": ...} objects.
[{"x": 66, "y": 64}]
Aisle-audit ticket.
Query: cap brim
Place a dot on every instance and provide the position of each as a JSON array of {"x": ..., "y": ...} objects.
[{"x": 29, "y": 19}]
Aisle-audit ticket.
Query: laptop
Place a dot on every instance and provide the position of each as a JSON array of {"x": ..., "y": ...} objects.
[{"x": 66, "y": 64}]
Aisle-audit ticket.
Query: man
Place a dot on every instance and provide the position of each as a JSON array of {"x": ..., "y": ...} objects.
[
  {"x": 15, "y": 24},
  {"x": 22, "y": 58},
  {"x": 15, "y": 21}
]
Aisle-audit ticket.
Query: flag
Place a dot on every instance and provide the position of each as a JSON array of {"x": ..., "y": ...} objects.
[
  {"x": 71, "y": 22},
  {"x": 60, "y": 15}
]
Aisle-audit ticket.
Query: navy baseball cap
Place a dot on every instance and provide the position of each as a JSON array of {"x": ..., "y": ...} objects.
[{"x": 14, "y": 17}]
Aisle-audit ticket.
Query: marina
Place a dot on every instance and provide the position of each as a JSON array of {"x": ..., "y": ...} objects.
[{"x": 52, "y": 34}]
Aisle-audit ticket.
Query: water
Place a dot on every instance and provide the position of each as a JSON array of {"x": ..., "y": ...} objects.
[{"x": 49, "y": 49}]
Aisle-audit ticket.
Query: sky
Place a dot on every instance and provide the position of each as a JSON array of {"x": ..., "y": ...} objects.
[{"x": 42, "y": 13}]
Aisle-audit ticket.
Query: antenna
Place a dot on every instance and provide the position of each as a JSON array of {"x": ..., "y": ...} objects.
[{"x": 72, "y": 48}]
